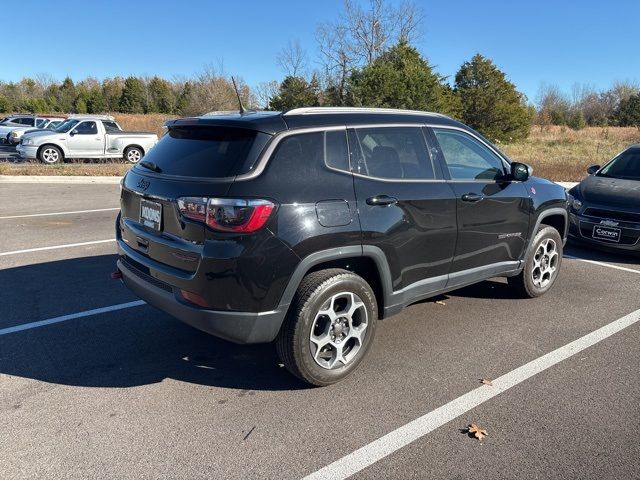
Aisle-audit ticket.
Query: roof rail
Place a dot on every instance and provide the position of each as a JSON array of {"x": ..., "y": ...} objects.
[
  {"x": 221, "y": 112},
  {"x": 90, "y": 116},
  {"x": 330, "y": 110}
]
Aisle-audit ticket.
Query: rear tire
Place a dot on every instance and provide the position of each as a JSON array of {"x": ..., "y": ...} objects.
[
  {"x": 542, "y": 265},
  {"x": 330, "y": 327},
  {"x": 50, "y": 154},
  {"x": 133, "y": 154}
]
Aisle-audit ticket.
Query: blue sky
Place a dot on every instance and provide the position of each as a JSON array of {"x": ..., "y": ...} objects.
[{"x": 561, "y": 41}]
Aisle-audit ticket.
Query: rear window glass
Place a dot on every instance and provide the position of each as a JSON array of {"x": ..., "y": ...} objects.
[
  {"x": 110, "y": 127},
  {"x": 202, "y": 151}
]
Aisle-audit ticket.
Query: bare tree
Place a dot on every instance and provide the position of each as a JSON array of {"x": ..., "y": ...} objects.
[
  {"x": 292, "y": 59},
  {"x": 264, "y": 92},
  {"x": 409, "y": 20},
  {"x": 361, "y": 35},
  {"x": 336, "y": 57}
]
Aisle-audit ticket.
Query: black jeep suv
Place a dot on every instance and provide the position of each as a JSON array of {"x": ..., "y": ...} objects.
[{"x": 306, "y": 227}]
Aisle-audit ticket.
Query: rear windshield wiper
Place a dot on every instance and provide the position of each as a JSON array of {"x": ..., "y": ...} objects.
[{"x": 150, "y": 165}]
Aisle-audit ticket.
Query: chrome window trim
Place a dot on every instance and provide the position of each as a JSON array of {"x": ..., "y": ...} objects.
[{"x": 265, "y": 156}]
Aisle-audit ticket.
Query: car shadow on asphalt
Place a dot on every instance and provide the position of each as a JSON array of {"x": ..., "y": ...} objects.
[{"x": 125, "y": 348}]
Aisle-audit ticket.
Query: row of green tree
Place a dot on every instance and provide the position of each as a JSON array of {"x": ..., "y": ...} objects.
[
  {"x": 401, "y": 78},
  {"x": 586, "y": 106},
  {"x": 209, "y": 89}
]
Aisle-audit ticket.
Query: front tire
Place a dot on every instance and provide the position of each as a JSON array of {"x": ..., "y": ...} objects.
[
  {"x": 50, "y": 155},
  {"x": 542, "y": 265},
  {"x": 133, "y": 154},
  {"x": 330, "y": 327}
]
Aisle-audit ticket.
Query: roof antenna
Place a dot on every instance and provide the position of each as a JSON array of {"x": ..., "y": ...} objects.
[{"x": 235, "y": 87}]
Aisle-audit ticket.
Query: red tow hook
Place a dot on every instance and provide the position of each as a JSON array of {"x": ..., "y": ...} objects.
[{"x": 117, "y": 275}]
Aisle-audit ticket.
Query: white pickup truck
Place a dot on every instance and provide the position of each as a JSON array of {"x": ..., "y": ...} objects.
[{"x": 86, "y": 137}]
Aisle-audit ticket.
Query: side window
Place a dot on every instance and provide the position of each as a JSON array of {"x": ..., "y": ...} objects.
[
  {"x": 29, "y": 121},
  {"x": 391, "y": 152},
  {"x": 466, "y": 158},
  {"x": 335, "y": 150},
  {"x": 87, "y": 128},
  {"x": 110, "y": 127},
  {"x": 299, "y": 153},
  {"x": 41, "y": 122}
]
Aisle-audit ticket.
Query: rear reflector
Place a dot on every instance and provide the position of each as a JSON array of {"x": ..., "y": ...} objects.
[{"x": 194, "y": 298}]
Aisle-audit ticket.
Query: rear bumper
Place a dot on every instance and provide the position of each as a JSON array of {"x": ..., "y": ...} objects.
[{"x": 238, "y": 327}]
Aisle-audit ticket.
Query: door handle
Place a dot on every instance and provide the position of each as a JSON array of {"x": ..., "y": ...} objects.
[
  {"x": 381, "y": 200},
  {"x": 472, "y": 197}
]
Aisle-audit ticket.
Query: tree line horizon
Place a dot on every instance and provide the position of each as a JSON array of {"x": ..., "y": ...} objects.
[{"x": 366, "y": 58}]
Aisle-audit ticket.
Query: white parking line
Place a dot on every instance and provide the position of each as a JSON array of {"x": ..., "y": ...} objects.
[
  {"x": 72, "y": 316},
  {"x": 403, "y": 436},
  {"x": 54, "y": 247},
  {"x": 602, "y": 264},
  {"x": 60, "y": 213}
]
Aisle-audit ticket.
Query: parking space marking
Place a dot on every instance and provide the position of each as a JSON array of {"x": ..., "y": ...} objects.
[
  {"x": 72, "y": 316},
  {"x": 602, "y": 264},
  {"x": 54, "y": 247},
  {"x": 412, "y": 431},
  {"x": 60, "y": 213}
]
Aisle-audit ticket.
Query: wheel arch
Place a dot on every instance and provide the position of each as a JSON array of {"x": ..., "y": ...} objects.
[
  {"x": 134, "y": 145},
  {"x": 557, "y": 218},
  {"x": 52, "y": 144},
  {"x": 368, "y": 262}
]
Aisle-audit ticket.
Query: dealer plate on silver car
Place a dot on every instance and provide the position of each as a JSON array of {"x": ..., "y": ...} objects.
[
  {"x": 150, "y": 214},
  {"x": 608, "y": 234}
]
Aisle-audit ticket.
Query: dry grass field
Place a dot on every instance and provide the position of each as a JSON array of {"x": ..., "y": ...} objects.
[
  {"x": 562, "y": 154},
  {"x": 557, "y": 153}
]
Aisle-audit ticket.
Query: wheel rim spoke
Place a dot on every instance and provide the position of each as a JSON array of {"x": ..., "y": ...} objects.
[
  {"x": 338, "y": 330},
  {"x": 545, "y": 263}
]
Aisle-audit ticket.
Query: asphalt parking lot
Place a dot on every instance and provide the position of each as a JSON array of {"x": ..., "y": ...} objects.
[
  {"x": 129, "y": 392},
  {"x": 8, "y": 153}
]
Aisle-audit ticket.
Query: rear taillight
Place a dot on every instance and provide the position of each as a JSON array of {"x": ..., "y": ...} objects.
[{"x": 227, "y": 214}]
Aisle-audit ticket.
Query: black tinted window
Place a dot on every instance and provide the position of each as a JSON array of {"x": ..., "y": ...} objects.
[
  {"x": 207, "y": 151},
  {"x": 335, "y": 150},
  {"x": 393, "y": 152},
  {"x": 87, "y": 128},
  {"x": 299, "y": 152},
  {"x": 467, "y": 158},
  {"x": 110, "y": 127}
]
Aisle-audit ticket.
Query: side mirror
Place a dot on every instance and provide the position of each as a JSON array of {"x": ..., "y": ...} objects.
[
  {"x": 520, "y": 171},
  {"x": 73, "y": 132},
  {"x": 593, "y": 169}
]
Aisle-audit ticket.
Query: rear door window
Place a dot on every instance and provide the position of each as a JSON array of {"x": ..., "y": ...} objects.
[
  {"x": 203, "y": 151},
  {"x": 391, "y": 153}
]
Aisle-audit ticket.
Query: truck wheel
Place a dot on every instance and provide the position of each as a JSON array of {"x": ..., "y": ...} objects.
[
  {"x": 542, "y": 264},
  {"x": 50, "y": 154},
  {"x": 133, "y": 154},
  {"x": 330, "y": 327}
]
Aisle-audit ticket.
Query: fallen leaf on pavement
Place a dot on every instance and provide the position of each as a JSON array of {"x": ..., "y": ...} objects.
[
  {"x": 477, "y": 431},
  {"x": 440, "y": 302},
  {"x": 486, "y": 381}
]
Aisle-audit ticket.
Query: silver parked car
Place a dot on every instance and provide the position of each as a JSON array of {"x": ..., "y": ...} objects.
[
  {"x": 41, "y": 123},
  {"x": 86, "y": 136}
]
